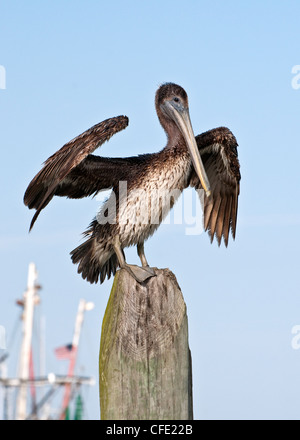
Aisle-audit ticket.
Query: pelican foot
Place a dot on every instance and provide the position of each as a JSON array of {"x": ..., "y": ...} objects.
[
  {"x": 140, "y": 274},
  {"x": 150, "y": 270}
]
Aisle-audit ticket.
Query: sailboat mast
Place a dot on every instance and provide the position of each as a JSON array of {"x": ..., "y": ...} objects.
[{"x": 24, "y": 363}]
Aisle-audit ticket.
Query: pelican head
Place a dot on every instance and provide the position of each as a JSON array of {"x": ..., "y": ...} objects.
[{"x": 171, "y": 103}]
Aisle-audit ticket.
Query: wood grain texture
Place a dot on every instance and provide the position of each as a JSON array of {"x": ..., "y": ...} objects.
[{"x": 145, "y": 361}]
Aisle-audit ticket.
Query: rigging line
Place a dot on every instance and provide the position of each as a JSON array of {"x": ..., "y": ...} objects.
[
  {"x": 44, "y": 400},
  {"x": 12, "y": 338}
]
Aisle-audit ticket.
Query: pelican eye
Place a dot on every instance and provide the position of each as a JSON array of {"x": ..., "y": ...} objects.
[{"x": 176, "y": 99}]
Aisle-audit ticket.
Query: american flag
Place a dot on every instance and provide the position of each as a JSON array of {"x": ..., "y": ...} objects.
[{"x": 65, "y": 352}]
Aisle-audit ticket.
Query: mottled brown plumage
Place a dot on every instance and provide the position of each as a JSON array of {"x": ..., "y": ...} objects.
[
  {"x": 58, "y": 166},
  {"x": 208, "y": 161},
  {"x": 218, "y": 149}
]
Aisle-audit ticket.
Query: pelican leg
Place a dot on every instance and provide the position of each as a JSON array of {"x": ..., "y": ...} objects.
[
  {"x": 140, "y": 274},
  {"x": 141, "y": 254}
]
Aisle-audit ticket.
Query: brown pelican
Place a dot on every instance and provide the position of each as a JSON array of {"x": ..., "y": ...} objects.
[{"x": 208, "y": 161}]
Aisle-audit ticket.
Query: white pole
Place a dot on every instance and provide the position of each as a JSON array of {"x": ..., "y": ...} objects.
[
  {"x": 83, "y": 306},
  {"x": 43, "y": 346},
  {"x": 26, "y": 342},
  {"x": 3, "y": 394},
  {"x": 78, "y": 323}
]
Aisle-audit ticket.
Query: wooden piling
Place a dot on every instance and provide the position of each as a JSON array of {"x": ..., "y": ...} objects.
[{"x": 145, "y": 370}]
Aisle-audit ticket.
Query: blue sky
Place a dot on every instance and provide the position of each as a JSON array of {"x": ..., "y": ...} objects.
[{"x": 72, "y": 64}]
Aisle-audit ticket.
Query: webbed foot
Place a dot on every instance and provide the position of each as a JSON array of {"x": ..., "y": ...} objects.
[{"x": 140, "y": 274}]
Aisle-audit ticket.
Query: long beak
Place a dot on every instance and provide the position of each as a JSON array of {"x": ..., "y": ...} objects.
[{"x": 183, "y": 121}]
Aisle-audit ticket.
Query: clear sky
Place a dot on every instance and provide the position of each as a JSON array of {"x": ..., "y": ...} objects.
[{"x": 71, "y": 64}]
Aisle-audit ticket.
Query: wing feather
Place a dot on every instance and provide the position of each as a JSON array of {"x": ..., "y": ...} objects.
[
  {"x": 221, "y": 217},
  {"x": 59, "y": 167},
  {"x": 226, "y": 223},
  {"x": 234, "y": 214},
  {"x": 218, "y": 150},
  {"x": 214, "y": 217}
]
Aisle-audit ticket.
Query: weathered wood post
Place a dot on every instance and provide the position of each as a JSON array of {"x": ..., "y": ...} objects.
[{"x": 145, "y": 370}]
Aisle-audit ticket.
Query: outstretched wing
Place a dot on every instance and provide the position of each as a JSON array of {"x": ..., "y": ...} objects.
[
  {"x": 96, "y": 173},
  {"x": 66, "y": 172},
  {"x": 218, "y": 150}
]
